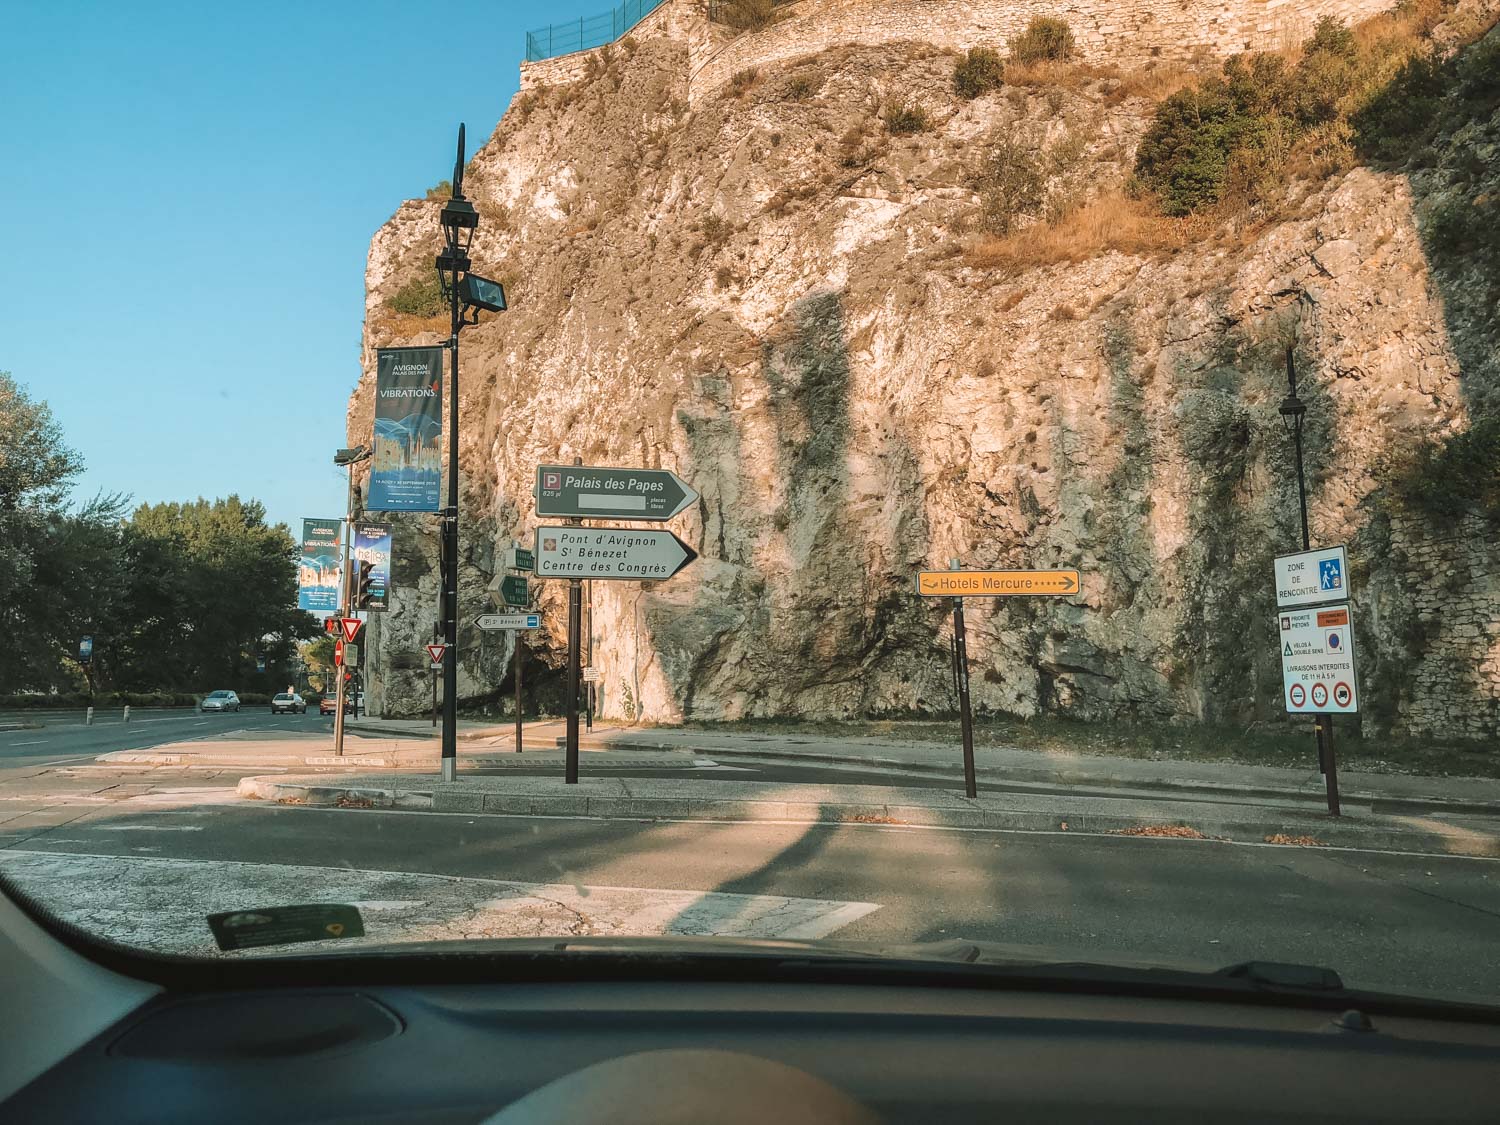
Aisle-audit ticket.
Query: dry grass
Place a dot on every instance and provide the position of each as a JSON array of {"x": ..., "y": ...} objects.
[
  {"x": 1154, "y": 83},
  {"x": 389, "y": 325},
  {"x": 1054, "y": 72},
  {"x": 1112, "y": 221}
]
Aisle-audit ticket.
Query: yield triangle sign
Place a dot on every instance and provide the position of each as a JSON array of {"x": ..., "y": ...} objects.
[
  {"x": 437, "y": 652},
  {"x": 351, "y": 627}
]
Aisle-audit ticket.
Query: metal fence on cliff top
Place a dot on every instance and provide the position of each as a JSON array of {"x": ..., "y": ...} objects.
[{"x": 587, "y": 31}]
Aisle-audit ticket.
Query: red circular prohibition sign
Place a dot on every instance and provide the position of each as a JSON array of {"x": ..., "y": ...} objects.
[
  {"x": 1319, "y": 694},
  {"x": 1298, "y": 695}
]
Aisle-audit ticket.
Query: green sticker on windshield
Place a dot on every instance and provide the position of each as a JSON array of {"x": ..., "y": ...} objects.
[{"x": 283, "y": 925}]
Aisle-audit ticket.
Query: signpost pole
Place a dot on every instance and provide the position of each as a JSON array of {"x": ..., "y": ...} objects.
[
  {"x": 961, "y": 674},
  {"x": 575, "y": 626},
  {"x": 344, "y": 600},
  {"x": 437, "y": 635},
  {"x": 575, "y": 614},
  {"x": 1331, "y": 776},
  {"x": 1293, "y": 410},
  {"x": 518, "y": 694}
]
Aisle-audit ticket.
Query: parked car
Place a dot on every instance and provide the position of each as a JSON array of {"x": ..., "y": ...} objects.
[
  {"x": 220, "y": 701},
  {"x": 327, "y": 705},
  {"x": 289, "y": 702}
]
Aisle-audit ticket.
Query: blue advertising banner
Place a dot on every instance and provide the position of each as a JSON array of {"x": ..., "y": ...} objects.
[
  {"x": 406, "y": 474},
  {"x": 372, "y": 561},
  {"x": 318, "y": 572}
]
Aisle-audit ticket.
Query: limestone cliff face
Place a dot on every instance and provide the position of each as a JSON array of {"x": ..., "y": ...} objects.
[{"x": 769, "y": 294}]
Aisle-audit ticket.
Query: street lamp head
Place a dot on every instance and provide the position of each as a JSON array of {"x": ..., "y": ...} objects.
[
  {"x": 482, "y": 293},
  {"x": 1292, "y": 409}
]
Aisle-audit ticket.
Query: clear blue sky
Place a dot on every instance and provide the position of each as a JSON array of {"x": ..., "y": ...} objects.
[{"x": 187, "y": 193}]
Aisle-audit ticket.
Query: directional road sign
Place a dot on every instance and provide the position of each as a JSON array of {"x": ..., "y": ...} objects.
[
  {"x": 351, "y": 627},
  {"x": 437, "y": 652},
  {"x": 519, "y": 558},
  {"x": 490, "y": 622},
  {"x": 602, "y": 552},
  {"x": 623, "y": 494},
  {"x": 995, "y": 583},
  {"x": 1317, "y": 660},
  {"x": 1312, "y": 577}
]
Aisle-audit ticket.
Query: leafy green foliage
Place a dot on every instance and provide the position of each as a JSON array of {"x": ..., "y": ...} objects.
[
  {"x": 1429, "y": 97},
  {"x": 906, "y": 118},
  {"x": 978, "y": 72},
  {"x": 443, "y": 189},
  {"x": 421, "y": 296},
  {"x": 1044, "y": 40},
  {"x": 1239, "y": 130},
  {"x": 176, "y": 596}
]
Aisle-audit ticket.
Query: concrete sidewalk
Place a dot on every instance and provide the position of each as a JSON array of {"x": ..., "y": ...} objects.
[
  {"x": 1394, "y": 793},
  {"x": 672, "y": 799}
]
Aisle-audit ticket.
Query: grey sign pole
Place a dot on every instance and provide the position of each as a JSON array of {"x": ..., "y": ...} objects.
[
  {"x": 575, "y": 622},
  {"x": 1292, "y": 411},
  {"x": 961, "y": 676}
]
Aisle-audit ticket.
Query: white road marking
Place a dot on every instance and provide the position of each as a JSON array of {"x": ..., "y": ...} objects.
[
  {"x": 142, "y": 827},
  {"x": 38, "y": 742},
  {"x": 160, "y": 903}
]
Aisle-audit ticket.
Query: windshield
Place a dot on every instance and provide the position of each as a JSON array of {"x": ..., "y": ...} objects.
[{"x": 986, "y": 481}]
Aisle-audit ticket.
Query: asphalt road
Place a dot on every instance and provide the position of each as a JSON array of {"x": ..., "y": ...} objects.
[
  {"x": 1428, "y": 924},
  {"x": 59, "y": 741},
  {"x": 1413, "y": 923}
]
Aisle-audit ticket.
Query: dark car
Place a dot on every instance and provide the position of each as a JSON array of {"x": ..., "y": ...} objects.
[{"x": 288, "y": 702}]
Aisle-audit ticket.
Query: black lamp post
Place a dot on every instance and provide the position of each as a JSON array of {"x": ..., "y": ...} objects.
[
  {"x": 467, "y": 294},
  {"x": 1293, "y": 411}
]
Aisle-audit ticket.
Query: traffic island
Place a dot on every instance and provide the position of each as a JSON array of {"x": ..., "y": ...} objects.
[{"x": 608, "y": 798}]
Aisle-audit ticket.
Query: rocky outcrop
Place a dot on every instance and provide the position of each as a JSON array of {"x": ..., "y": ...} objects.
[{"x": 769, "y": 294}]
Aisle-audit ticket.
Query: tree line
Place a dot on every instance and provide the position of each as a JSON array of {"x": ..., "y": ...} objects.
[{"x": 177, "y": 596}]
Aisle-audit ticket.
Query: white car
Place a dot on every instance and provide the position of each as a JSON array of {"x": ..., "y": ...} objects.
[
  {"x": 290, "y": 702},
  {"x": 220, "y": 701}
]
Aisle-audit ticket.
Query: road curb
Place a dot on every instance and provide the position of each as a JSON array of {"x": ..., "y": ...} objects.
[
  {"x": 1348, "y": 833},
  {"x": 1033, "y": 776}
]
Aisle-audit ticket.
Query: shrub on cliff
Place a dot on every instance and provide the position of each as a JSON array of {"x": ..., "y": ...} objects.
[
  {"x": 421, "y": 296},
  {"x": 1239, "y": 130},
  {"x": 906, "y": 117},
  {"x": 746, "y": 15},
  {"x": 978, "y": 72},
  {"x": 1044, "y": 40}
]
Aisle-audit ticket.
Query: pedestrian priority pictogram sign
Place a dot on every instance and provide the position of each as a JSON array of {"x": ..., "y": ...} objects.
[{"x": 1317, "y": 660}]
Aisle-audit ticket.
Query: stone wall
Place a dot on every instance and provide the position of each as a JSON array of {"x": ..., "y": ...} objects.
[
  {"x": 1124, "y": 32},
  {"x": 1453, "y": 615}
]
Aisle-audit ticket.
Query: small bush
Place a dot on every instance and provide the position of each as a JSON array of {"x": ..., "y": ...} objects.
[
  {"x": 742, "y": 80},
  {"x": 1011, "y": 184},
  {"x": 1063, "y": 311},
  {"x": 716, "y": 229},
  {"x": 724, "y": 277},
  {"x": 978, "y": 72},
  {"x": 803, "y": 84},
  {"x": 905, "y": 118},
  {"x": 443, "y": 189},
  {"x": 1045, "y": 39},
  {"x": 747, "y": 15},
  {"x": 421, "y": 296}
]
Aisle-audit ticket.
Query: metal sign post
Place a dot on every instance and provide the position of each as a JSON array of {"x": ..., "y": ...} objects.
[
  {"x": 961, "y": 676},
  {"x": 519, "y": 746},
  {"x": 958, "y": 584}
]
